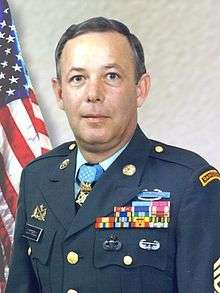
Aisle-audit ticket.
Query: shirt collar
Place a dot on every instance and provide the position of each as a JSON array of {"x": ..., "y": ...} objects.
[{"x": 80, "y": 160}]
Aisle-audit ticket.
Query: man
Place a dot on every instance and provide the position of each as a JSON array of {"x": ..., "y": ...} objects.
[{"x": 114, "y": 211}]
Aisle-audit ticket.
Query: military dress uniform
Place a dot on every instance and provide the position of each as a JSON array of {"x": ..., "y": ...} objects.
[{"x": 176, "y": 250}]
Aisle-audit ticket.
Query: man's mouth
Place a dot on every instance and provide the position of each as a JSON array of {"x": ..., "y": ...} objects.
[{"x": 95, "y": 117}]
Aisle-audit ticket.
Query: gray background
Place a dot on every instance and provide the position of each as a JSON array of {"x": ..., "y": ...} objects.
[{"x": 182, "y": 47}]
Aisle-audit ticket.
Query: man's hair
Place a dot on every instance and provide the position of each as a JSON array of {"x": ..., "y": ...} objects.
[{"x": 102, "y": 24}]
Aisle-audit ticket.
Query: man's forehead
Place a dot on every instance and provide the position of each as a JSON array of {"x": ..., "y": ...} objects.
[
  {"x": 107, "y": 47},
  {"x": 111, "y": 39}
]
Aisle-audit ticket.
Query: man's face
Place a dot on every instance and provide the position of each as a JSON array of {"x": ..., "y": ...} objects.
[{"x": 98, "y": 90}]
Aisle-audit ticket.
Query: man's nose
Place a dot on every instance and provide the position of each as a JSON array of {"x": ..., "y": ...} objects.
[{"x": 95, "y": 93}]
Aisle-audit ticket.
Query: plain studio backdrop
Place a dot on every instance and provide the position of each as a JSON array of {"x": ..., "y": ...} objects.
[{"x": 181, "y": 40}]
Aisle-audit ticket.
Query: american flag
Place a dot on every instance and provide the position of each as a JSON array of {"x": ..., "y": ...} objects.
[{"x": 23, "y": 135}]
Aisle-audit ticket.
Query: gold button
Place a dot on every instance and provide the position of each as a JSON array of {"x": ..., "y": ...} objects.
[
  {"x": 72, "y": 146},
  {"x": 29, "y": 250},
  {"x": 72, "y": 291},
  {"x": 72, "y": 258},
  {"x": 127, "y": 260},
  {"x": 159, "y": 149}
]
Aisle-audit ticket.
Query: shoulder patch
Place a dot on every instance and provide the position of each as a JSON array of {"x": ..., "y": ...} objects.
[{"x": 208, "y": 176}]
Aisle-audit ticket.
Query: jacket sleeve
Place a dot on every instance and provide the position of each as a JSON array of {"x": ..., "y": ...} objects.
[
  {"x": 198, "y": 237},
  {"x": 21, "y": 275}
]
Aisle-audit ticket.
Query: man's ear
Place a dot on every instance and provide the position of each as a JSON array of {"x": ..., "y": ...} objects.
[
  {"x": 143, "y": 88},
  {"x": 56, "y": 85}
]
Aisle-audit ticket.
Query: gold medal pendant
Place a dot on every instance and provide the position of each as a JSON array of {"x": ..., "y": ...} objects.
[
  {"x": 85, "y": 189},
  {"x": 81, "y": 198}
]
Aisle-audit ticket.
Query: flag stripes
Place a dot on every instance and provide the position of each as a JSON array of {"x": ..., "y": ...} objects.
[{"x": 23, "y": 135}]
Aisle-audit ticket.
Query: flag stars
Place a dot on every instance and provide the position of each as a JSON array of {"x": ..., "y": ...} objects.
[
  {"x": 10, "y": 92},
  {"x": 2, "y": 35},
  {"x": 2, "y": 75},
  {"x": 8, "y": 51},
  {"x": 26, "y": 86},
  {"x": 4, "y": 64},
  {"x": 6, "y": 10},
  {"x": 12, "y": 27},
  {"x": 10, "y": 39},
  {"x": 19, "y": 56},
  {"x": 3, "y": 24},
  {"x": 14, "y": 79},
  {"x": 16, "y": 67}
]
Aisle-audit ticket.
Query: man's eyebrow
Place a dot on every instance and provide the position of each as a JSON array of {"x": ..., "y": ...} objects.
[
  {"x": 112, "y": 65},
  {"x": 107, "y": 66},
  {"x": 73, "y": 68}
]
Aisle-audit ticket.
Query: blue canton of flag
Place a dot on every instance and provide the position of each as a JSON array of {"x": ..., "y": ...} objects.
[{"x": 14, "y": 80}]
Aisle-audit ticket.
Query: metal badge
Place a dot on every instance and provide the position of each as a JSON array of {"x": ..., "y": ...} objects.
[
  {"x": 129, "y": 170},
  {"x": 39, "y": 213},
  {"x": 156, "y": 194},
  {"x": 113, "y": 244},
  {"x": 147, "y": 245},
  {"x": 64, "y": 164}
]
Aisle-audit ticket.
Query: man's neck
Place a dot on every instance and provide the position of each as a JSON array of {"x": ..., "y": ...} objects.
[
  {"x": 94, "y": 155},
  {"x": 97, "y": 157}
]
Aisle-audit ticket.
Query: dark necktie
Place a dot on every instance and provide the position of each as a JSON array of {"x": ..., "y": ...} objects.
[{"x": 87, "y": 176}]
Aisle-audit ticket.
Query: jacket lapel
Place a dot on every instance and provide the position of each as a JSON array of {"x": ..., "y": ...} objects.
[
  {"x": 58, "y": 189},
  {"x": 114, "y": 188}
]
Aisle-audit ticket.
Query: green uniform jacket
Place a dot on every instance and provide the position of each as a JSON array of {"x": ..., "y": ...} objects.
[{"x": 71, "y": 256}]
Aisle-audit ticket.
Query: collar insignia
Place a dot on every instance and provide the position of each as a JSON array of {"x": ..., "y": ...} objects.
[
  {"x": 39, "y": 213},
  {"x": 64, "y": 164}
]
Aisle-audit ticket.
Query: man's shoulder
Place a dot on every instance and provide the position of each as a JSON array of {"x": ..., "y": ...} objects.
[
  {"x": 62, "y": 150},
  {"x": 177, "y": 155},
  {"x": 167, "y": 155}
]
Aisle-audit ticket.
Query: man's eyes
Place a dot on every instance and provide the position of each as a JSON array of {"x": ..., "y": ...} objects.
[
  {"x": 111, "y": 76},
  {"x": 76, "y": 78}
]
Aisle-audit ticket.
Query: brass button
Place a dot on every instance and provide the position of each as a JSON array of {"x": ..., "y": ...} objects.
[
  {"x": 29, "y": 251},
  {"x": 72, "y": 146},
  {"x": 72, "y": 258},
  {"x": 127, "y": 260},
  {"x": 72, "y": 291},
  {"x": 159, "y": 149}
]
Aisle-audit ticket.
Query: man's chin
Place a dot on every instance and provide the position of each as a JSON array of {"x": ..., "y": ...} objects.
[{"x": 94, "y": 141}]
